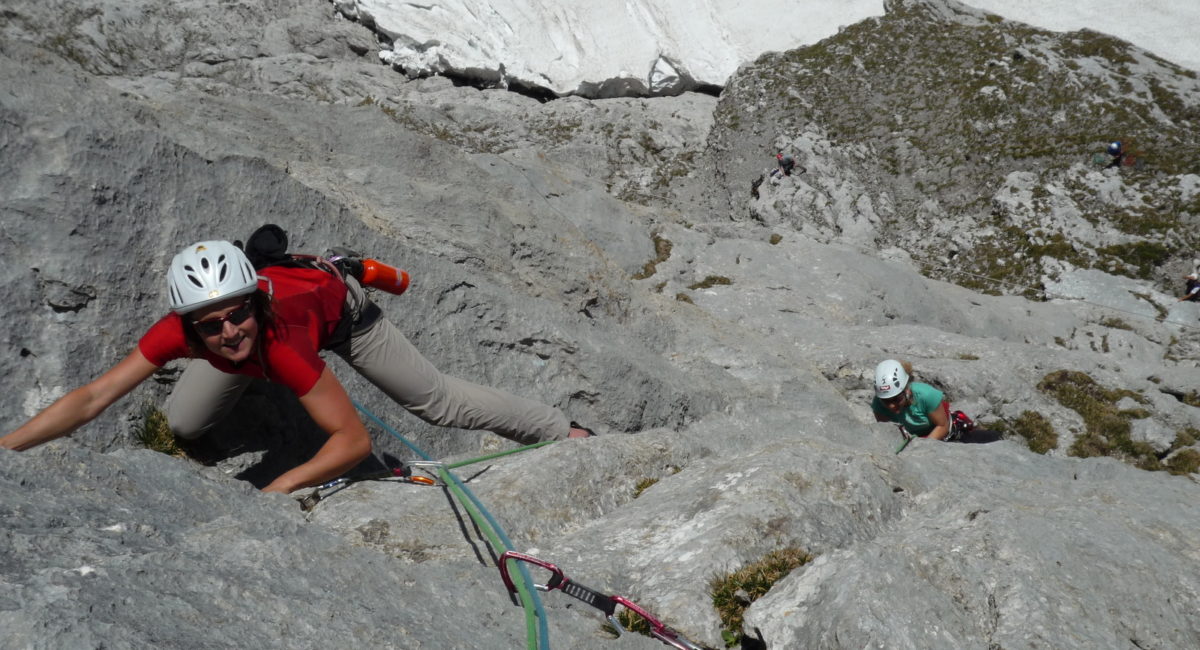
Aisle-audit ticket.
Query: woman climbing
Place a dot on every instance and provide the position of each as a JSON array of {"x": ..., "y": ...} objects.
[
  {"x": 237, "y": 324},
  {"x": 918, "y": 407}
]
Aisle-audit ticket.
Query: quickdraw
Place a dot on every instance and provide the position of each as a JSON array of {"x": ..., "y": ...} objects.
[
  {"x": 602, "y": 602},
  {"x": 404, "y": 473},
  {"x": 908, "y": 437}
]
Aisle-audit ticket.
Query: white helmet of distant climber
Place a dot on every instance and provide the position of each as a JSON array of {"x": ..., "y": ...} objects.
[
  {"x": 209, "y": 272},
  {"x": 890, "y": 379}
]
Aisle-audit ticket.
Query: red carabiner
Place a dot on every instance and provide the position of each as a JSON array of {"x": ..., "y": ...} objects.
[
  {"x": 657, "y": 628},
  {"x": 606, "y": 604},
  {"x": 555, "y": 581}
]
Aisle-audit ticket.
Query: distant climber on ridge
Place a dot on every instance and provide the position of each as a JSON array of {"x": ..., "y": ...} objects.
[
  {"x": 1117, "y": 151},
  {"x": 919, "y": 408},
  {"x": 786, "y": 163},
  {"x": 1191, "y": 291}
]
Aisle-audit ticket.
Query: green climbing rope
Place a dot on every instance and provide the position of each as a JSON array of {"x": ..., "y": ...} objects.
[{"x": 536, "y": 629}]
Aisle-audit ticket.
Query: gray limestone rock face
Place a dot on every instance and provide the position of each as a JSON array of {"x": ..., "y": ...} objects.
[
  {"x": 968, "y": 571},
  {"x": 607, "y": 257}
]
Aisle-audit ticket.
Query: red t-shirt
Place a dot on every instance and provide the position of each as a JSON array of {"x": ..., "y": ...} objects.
[{"x": 308, "y": 306}]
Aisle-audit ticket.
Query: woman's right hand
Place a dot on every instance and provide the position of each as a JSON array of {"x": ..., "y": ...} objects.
[{"x": 81, "y": 405}]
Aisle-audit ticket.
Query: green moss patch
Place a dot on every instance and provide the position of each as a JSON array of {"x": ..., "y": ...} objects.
[
  {"x": 1185, "y": 462},
  {"x": 662, "y": 252},
  {"x": 1142, "y": 257},
  {"x": 1031, "y": 426},
  {"x": 1107, "y": 427},
  {"x": 711, "y": 281},
  {"x": 642, "y": 486}
]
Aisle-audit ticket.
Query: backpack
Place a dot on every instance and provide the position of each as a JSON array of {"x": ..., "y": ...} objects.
[{"x": 267, "y": 246}]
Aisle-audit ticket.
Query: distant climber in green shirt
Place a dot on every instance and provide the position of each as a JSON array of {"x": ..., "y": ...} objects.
[{"x": 920, "y": 408}]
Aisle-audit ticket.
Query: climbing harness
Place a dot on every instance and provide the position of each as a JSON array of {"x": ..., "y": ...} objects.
[
  {"x": 960, "y": 425},
  {"x": 607, "y": 604}
]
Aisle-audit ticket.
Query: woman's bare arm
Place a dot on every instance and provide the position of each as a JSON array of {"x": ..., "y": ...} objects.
[
  {"x": 81, "y": 405},
  {"x": 941, "y": 423},
  {"x": 348, "y": 445}
]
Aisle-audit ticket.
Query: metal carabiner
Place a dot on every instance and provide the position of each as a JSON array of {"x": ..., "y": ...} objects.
[
  {"x": 908, "y": 437},
  {"x": 324, "y": 490},
  {"x": 658, "y": 629},
  {"x": 430, "y": 466},
  {"x": 556, "y": 581},
  {"x": 606, "y": 604}
]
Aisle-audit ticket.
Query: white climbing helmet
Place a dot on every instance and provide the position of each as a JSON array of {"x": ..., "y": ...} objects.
[
  {"x": 890, "y": 379},
  {"x": 209, "y": 272}
]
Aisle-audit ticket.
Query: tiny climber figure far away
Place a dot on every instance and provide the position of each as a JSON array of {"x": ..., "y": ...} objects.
[
  {"x": 1191, "y": 288},
  {"x": 1117, "y": 151},
  {"x": 785, "y": 164},
  {"x": 236, "y": 323},
  {"x": 1119, "y": 154},
  {"x": 921, "y": 410}
]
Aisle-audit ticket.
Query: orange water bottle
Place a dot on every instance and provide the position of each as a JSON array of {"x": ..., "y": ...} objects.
[{"x": 381, "y": 276}]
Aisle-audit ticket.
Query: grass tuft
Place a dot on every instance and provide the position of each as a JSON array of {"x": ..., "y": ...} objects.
[
  {"x": 154, "y": 433},
  {"x": 1108, "y": 428},
  {"x": 1184, "y": 462},
  {"x": 662, "y": 252},
  {"x": 1115, "y": 323},
  {"x": 734, "y": 592},
  {"x": 711, "y": 281},
  {"x": 642, "y": 486},
  {"x": 1033, "y": 427}
]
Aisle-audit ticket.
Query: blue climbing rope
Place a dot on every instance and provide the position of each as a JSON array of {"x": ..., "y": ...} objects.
[{"x": 529, "y": 596}]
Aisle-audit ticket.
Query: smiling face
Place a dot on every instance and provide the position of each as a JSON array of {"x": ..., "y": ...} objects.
[
  {"x": 228, "y": 328},
  {"x": 899, "y": 402}
]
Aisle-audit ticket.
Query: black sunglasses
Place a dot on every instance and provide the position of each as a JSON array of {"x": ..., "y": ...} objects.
[{"x": 214, "y": 326}]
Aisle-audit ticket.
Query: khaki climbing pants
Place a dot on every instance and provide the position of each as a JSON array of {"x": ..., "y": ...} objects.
[{"x": 204, "y": 395}]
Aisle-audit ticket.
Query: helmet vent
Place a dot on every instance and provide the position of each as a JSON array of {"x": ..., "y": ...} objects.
[
  {"x": 203, "y": 274},
  {"x": 193, "y": 277}
]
